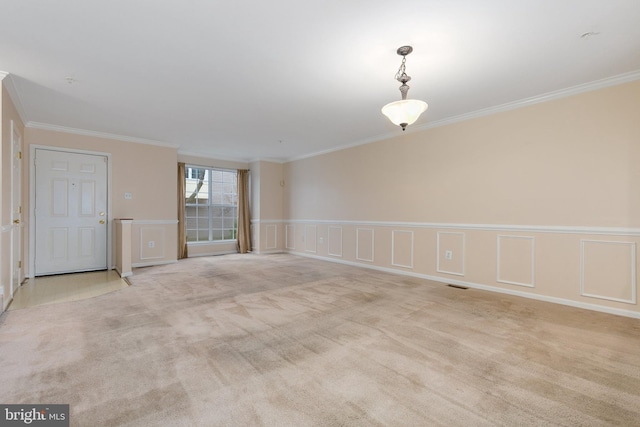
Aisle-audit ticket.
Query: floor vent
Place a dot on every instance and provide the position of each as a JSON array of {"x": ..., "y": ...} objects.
[{"x": 457, "y": 286}]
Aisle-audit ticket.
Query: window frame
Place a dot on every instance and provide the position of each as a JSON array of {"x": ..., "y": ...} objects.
[{"x": 210, "y": 207}]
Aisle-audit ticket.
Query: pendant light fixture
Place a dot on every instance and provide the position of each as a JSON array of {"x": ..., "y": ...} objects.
[{"x": 404, "y": 112}]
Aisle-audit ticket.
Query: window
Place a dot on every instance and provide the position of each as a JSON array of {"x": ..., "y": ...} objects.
[{"x": 211, "y": 204}]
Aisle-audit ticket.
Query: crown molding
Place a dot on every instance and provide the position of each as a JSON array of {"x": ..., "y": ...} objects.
[
  {"x": 10, "y": 85},
  {"x": 538, "y": 99},
  {"x": 545, "y": 97},
  {"x": 135, "y": 140},
  {"x": 211, "y": 157}
]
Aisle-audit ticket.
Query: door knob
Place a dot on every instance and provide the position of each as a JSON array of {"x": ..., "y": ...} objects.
[
  {"x": 102, "y": 221},
  {"x": 16, "y": 221}
]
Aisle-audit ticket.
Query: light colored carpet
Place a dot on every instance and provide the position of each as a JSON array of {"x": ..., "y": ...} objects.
[{"x": 279, "y": 340}]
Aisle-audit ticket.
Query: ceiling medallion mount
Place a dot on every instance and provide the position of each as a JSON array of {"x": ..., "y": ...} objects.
[
  {"x": 404, "y": 112},
  {"x": 404, "y": 50}
]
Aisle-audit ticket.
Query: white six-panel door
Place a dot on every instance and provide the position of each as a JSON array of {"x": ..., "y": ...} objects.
[{"x": 70, "y": 212}]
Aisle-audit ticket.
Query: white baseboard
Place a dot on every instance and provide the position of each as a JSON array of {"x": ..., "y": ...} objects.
[
  {"x": 571, "y": 303},
  {"x": 121, "y": 274},
  {"x": 151, "y": 264},
  {"x": 213, "y": 254}
]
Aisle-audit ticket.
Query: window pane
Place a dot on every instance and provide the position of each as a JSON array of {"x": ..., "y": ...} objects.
[
  {"x": 211, "y": 204},
  {"x": 217, "y": 234}
]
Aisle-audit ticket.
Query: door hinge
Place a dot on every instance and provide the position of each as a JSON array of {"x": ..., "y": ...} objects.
[
  {"x": 19, "y": 264},
  {"x": 20, "y": 209},
  {"x": 19, "y": 154}
]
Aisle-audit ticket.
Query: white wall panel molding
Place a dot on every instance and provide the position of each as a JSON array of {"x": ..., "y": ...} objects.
[
  {"x": 366, "y": 252},
  {"x": 614, "y": 269},
  {"x": 500, "y": 277},
  {"x": 311, "y": 238},
  {"x": 146, "y": 235},
  {"x": 334, "y": 234},
  {"x": 612, "y": 231},
  {"x": 447, "y": 280},
  {"x": 290, "y": 237},
  {"x": 271, "y": 230},
  {"x": 461, "y": 237},
  {"x": 405, "y": 237}
]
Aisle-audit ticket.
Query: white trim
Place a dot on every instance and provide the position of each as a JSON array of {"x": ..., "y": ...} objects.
[
  {"x": 393, "y": 247},
  {"x": 154, "y": 221},
  {"x": 10, "y": 85},
  {"x": 271, "y": 251},
  {"x": 151, "y": 264},
  {"x": 121, "y": 274},
  {"x": 633, "y": 271},
  {"x": 533, "y": 257},
  {"x": 213, "y": 242},
  {"x": 514, "y": 105},
  {"x": 611, "y": 231},
  {"x": 372, "y": 244},
  {"x": 208, "y": 156},
  {"x": 286, "y": 232},
  {"x": 275, "y": 235},
  {"x": 112, "y": 136},
  {"x": 315, "y": 238},
  {"x": 213, "y": 254},
  {"x": 32, "y": 199},
  {"x": 438, "y": 269},
  {"x": 562, "y": 301},
  {"x": 329, "y": 241}
]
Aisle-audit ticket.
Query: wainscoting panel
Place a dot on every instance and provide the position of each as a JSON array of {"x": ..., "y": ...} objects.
[
  {"x": 334, "y": 236},
  {"x": 310, "y": 238},
  {"x": 364, "y": 244},
  {"x": 271, "y": 231},
  {"x": 516, "y": 260},
  {"x": 587, "y": 267},
  {"x": 450, "y": 253},
  {"x": 290, "y": 237},
  {"x": 608, "y": 270},
  {"x": 402, "y": 248},
  {"x": 152, "y": 243}
]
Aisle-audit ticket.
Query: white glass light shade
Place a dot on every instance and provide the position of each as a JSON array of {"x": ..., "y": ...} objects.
[{"x": 404, "y": 112}]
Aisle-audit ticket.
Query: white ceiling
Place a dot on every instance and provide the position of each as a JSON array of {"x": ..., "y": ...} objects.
[{"x": 282, "y": 79}]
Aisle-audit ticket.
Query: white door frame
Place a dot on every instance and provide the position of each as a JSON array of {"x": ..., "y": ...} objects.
[
  {"x": 16, "y": 187},
  {"x": 32, "y": 200}
]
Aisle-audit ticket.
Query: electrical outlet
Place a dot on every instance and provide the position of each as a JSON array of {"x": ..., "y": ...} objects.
[
  {"x": 128, "y": 196},
  {"x": 152, "y": 244},
  {"x": 321, "y": 240},
  {"x": 448, "y": 255}
]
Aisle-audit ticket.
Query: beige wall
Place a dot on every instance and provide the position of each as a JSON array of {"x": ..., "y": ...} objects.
[
  {"x": 8, "y": 114},
  {"x": 148, "y": 172},
  {"x": 540, "y": 201}
]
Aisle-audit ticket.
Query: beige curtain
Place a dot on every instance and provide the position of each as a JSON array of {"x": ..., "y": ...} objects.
[
  {"x": 182, "y": 228},
  {"x": 244, "y": 218}
]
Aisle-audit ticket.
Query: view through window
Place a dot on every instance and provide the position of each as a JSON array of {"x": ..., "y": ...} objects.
[{"x": 211, "y": 204}]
